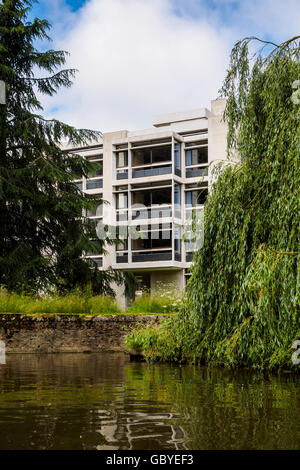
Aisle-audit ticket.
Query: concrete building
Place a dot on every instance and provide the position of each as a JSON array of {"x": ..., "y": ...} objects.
[{"x": 153, "y": 179}]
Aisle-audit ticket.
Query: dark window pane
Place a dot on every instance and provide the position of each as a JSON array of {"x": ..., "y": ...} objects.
[
  {"x": 161, "y": 154},
  {"x": 196, "y": 156}
]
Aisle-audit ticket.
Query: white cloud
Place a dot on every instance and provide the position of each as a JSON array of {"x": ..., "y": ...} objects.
[{"x": 137, "y": 58}]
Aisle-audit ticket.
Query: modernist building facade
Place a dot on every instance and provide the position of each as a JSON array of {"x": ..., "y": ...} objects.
[{"x": 153, "y": 179}]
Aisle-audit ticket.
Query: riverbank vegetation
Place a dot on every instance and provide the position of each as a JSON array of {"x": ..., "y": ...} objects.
[
  {"x": 73, "y": 303},
  {"x": 166, "y": 298},
  {"x": 243, "y": 298},
  {"x": 83, "y": 302}
]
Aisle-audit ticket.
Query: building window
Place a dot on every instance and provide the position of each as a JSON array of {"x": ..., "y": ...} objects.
[
  {"x": 177, "y": 155},
  {"x": 196, "y": 197},
  {"x": 177, "y": 200},
  {"x": 149, "y": 156},
  {"x": 152, "y": 197},
  {"x": 122, "y": 246},
  {"x": 97, "y": 171},
  {"x": 98, "y": 210},
  {"x": 122, "y": 159},
  {"x": 196, "y": 156}
]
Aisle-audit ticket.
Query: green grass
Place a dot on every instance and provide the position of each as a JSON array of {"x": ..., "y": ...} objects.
[
  {"x": 105, "y": 314},
  {"x": 74, "y": 303},
  {"x": 165, "y": 299}
]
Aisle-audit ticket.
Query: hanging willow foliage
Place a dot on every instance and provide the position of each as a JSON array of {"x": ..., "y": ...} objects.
[{"x": 242, "y": 305}]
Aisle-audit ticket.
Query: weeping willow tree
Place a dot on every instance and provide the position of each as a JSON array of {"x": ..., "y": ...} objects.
[{"x": 242, "y": 305}]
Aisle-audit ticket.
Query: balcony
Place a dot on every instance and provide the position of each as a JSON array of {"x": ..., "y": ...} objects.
[
  {"x": 122, "y": 258},
  {"x": 152, "y": 203},
  {"x": 194, "y": 172},
  {"x": 121, "y": 215},
  {"x": 95, "y": 260},
  {"x": 122, "y": 175},
  {"x": 94, "y": 184},
  {"x": 153, "y": 212},
  {"x": 152, "y": 171},
  {"x": 151, "y": 255}
]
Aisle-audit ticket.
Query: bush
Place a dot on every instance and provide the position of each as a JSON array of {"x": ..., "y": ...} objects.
[{"x": 149, "y": 340}]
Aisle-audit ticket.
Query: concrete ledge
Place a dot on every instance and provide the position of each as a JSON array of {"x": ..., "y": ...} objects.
[{"x": 69, "y": 333}]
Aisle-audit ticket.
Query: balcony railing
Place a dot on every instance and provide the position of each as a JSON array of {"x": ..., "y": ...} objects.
[
  {"x": 122, "y": 175},
  {"x": 98, "y": 261},
  {"x": 122, "y": 215},
  {"x": 193, "y": 172},
  {"x": 151, "y": 255},
  {"x": 152, "y": 213},
  {"x": 152, "y": 171},
  {"x": 94, "y": 184},
  {"x": 122, "y": 257}
]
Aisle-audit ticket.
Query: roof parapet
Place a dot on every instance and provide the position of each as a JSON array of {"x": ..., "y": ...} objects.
[{"x": 161, "y": 120}]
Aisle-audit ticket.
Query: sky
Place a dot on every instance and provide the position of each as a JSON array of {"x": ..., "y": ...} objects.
[{"x": 139, "y": 58}]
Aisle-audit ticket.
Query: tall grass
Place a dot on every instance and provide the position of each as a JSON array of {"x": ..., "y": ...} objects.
[
  {"x": 165, "y": 299},
  {"x": 73, "y": 303}
]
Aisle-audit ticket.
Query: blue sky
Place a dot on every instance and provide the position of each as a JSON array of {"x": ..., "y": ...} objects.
[{"x": 138, "y": 58}]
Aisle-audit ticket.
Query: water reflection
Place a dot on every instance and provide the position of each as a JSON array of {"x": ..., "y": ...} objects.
[{"x": 102, "y": 401}]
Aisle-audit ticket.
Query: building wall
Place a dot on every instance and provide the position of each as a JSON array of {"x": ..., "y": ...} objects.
[{"x": 159, "y": 278}]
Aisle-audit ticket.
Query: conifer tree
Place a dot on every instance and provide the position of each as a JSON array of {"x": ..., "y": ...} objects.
[{"x": 43, "y": 234}]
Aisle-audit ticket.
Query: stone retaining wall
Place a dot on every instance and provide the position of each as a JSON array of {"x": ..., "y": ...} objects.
[{"x": 68, "y": 333}]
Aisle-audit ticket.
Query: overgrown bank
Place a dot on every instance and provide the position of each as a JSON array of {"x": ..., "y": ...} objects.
[
  {"x": 163, "y": 301},
  {"x": 242, "y": 306}
]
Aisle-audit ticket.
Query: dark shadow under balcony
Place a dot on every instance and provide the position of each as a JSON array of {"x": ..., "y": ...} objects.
[{"x": 189, "y": 256}]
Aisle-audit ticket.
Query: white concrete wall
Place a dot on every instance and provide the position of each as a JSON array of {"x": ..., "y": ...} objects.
[
  {"x": 217, "y": 136},
  {"x": 158, "y": 278}
]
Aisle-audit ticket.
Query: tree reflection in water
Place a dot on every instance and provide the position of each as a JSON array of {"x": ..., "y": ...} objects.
[{"x": 103, "y": 401}]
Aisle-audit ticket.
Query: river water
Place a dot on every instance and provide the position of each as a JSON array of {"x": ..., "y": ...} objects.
[{"x": 106, "y": 402}]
